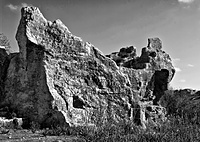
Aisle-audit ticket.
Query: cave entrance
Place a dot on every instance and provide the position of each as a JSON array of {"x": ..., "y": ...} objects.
[
  {"x": 78, "y": 103},
  {"x": 160, "y": 84}
]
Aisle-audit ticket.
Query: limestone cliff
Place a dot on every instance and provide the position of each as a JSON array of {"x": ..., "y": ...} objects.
[{"x": 58, "y": 78}]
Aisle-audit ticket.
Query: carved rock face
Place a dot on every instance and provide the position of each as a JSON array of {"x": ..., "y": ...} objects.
[{"x": 58, "y": 78}]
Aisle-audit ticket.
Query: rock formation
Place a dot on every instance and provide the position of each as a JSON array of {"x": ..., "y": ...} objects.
[
  {"x": 4, "y": 61},
  {"x": 154, "y": 62},
  {"x": 56, "y": 78}
]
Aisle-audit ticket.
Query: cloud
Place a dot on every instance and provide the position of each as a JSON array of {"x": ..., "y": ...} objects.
[
  {"x": 190, "y": 65},
  {"x": 177, "y": 69},
  {"x": 176, "y": 59},
  {"x": 174, "y": 62},
  {"x": 12, "y": 7},
  {"x": 24, "y": 4},
  {"x": 186, "y": 1},
  {"x": 17, "y": 7},
  {"x": 182, "y": 80}
]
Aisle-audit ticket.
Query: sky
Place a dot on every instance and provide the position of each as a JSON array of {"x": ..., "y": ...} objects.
[{"x": 112, "y": 24}]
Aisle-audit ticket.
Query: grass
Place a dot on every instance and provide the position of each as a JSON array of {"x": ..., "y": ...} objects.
[
  {"x": 179, "y": 127},
  {"x": 175, "y": 129}
]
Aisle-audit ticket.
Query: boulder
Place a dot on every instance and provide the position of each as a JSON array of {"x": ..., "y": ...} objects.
[
  {"x": 57, "y": 79},
  {"x": 124, "y": 55}
]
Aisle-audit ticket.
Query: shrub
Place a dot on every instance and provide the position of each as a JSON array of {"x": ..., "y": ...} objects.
[
  {"x": 182, "y": 125},
  {"x": 175, "y": 129}
]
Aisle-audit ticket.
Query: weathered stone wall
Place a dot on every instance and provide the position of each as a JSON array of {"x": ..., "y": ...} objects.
[{"x": 58, "y": 78}]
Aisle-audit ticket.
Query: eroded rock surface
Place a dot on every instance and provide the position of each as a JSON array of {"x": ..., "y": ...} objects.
[
  {"x": 57, "y": 78},
  {"x": 154, "y": 66},
  {"x": 4, "y": 62}
]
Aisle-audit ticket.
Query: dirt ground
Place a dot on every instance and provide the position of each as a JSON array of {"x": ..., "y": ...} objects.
[{"x": 28, "y": 136}]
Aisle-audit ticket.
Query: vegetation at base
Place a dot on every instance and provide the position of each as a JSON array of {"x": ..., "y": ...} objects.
[
  {"x": 182, "y": 125},
  {"x": 175, "y": 129}
]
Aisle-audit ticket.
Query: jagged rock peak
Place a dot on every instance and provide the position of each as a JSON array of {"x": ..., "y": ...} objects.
[
  {"x": 37, "y": 23},
  {"x": 35, "y": 28},
  {"x": 155, "y": 43}
]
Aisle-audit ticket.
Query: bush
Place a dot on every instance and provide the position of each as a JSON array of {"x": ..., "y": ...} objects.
[
  {"x": 182, "y": 125},
  {"x": 175, "y": 129}
]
